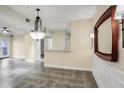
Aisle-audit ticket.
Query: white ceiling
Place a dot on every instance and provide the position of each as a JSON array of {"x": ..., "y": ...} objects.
[{"x": 54, "y": 17}]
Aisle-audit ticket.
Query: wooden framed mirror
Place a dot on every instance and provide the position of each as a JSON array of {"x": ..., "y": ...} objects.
[{"x": 106, "y": 32}]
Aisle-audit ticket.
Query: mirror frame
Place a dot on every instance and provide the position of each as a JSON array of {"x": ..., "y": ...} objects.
[{"x": 113, "y": 56}]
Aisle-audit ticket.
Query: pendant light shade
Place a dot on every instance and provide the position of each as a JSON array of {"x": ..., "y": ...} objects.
[{"x": 38, "y": 33}]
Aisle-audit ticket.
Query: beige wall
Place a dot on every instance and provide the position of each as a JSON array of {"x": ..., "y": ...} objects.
[
  {"x": 109, "y": 74},
  {"x": 23, "y": 47},
  {"x": 18, "y": 46},
  {"x": 29, "y": 48},
  {"x": 81, "y": 49},
  {"x": 58, "y": 39}
]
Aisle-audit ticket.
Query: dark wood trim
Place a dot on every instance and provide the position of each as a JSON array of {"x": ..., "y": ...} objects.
[
  {"x": 109, "y": 13},
  {"x": 122, "y": 39}
]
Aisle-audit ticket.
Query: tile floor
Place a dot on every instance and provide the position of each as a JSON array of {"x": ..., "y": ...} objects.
[{"x": 20, "y": 74}]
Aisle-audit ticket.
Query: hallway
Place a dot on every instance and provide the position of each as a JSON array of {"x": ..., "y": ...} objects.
[{"x": 20, "y": 74}]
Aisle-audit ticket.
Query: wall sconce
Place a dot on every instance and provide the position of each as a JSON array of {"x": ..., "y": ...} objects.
[
  {"x": 92, "y": 37},
  {"x": 119, "y": 15}
]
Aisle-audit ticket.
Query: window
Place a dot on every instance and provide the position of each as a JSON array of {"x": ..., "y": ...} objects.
[{"x": 4, "y": 48}]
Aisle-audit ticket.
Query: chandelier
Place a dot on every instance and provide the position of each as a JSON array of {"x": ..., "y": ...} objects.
[{"x": 37, "y": 33}]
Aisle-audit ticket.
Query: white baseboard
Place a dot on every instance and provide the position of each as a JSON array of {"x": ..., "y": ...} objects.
[
  {"x": 17, "y": 57},
  {"x": 29, "y": 60},
  {"x": 33, "y": 60},
  {"x": 68, "y": 67}
]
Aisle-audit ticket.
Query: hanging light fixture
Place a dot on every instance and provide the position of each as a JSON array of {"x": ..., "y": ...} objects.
[{"x": 37, "y": 33}]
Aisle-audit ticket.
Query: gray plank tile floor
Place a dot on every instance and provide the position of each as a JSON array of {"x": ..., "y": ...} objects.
[{"x": 20, "y": 74}]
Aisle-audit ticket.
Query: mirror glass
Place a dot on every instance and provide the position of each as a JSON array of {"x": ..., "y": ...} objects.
[
  {"x": 58, "y": 40},
  {"x": 105, "y": 37}
]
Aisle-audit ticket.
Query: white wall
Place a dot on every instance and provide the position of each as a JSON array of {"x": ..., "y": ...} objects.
[
  {"x": 108, "y": 74},
  {"x": 81, "y": 49}
]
